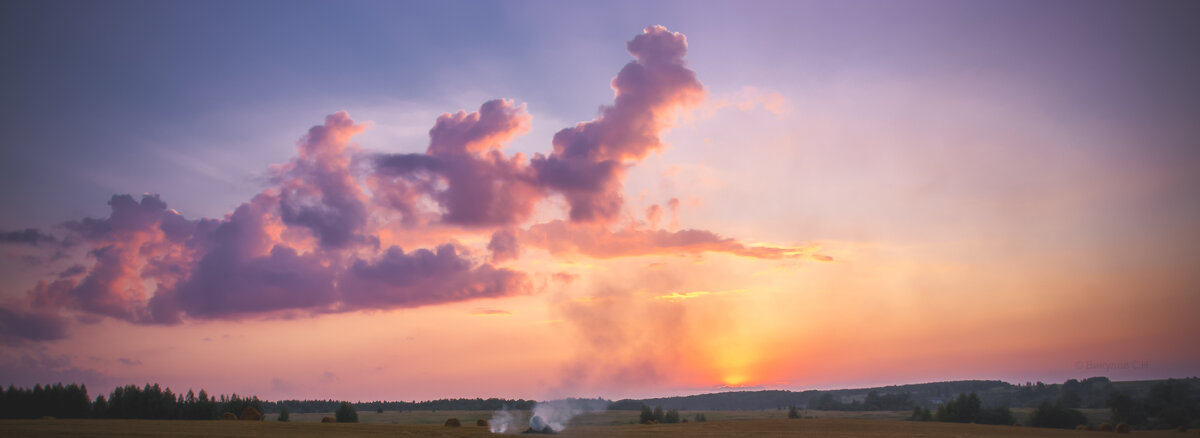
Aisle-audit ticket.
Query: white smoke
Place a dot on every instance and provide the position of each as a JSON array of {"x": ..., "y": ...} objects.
[
  {"x": 555, "y": 414},
  {"x": 502, "y": 421},
  {"x": 558, "y": 413}
]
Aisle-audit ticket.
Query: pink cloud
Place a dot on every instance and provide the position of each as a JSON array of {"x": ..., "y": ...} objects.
[
  {"x": 463, "y": 170},
  {"x": 245, "y": 265},
  {"x": 588, "y": 160},
  {"x": 560, "y": 237},
  {"x": 311, "y": 242}
]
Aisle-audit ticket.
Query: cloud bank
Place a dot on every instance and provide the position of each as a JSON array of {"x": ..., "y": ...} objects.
[{"x": 310, "y": 243}]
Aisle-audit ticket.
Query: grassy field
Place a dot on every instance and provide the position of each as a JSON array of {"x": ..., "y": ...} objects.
[
  {"x": 818, "y": 427},
  {"x": 612, "y": 418},
  {"x": 603, "y": 418}
]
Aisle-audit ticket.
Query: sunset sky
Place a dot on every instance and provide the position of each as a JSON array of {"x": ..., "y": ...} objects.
[{"x": 408, "y": 201}]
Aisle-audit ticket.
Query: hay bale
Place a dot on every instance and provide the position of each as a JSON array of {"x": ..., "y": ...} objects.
[
  {"x": 1080, "y": 427},
  {"x": 45, "y": 417},
  {"x": 481, "y": 422},
  {"x": 328, "y": 420},
  {"x": 453, "y": 422},
  {"x": 683, "y": 420},
  {"x": 1181, "y": 429},
  {"x": 251, "y": 414},
  {"x": 228, "y": 416},
  {"x": 1017, "y": 424},
  {"x": 1123, "y": 428},
  {"x": 1105, "y": 427}
]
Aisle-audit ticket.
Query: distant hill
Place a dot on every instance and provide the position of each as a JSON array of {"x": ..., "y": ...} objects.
[{"x": 1088, "y": 393}]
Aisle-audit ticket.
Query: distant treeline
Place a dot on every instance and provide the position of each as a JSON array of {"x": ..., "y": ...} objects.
[
  {"x": 1074, "y": 394},
  {"x": 455, "y": 404},
  {"x": 873, "y": 402},
  {"x": 150, "y": 402},
  {"x": 886, "y": 398},
  {"x": 70, "y": 401},
  {"x": 966, "y": 408},
  {"x": 1166, "y": 404},
  {"x": 154, "y": 403}
]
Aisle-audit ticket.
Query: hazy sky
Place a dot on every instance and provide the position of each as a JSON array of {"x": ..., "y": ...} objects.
[{"x": 385, "y": 200}]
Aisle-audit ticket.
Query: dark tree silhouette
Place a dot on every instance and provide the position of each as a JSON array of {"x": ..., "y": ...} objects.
[{"x": 346, "y": 413}]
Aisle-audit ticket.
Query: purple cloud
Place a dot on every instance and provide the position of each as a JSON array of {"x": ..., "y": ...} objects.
[
  {"x": 464, "y": 171},
  {"x": 424, "y": 277},
  {"x": 309, "y": 243},
  {"x": 18, "y": 326},
  {"x": 318, "y": 190},
  {"x": 28, "y": 236},
  {"x": 589, "y": 160},
  {"x": 504, "y": 246}
]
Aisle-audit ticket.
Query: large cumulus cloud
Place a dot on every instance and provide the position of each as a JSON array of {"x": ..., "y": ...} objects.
[
  {"x": 321, "y": 237},
  {"x": 588, "y": 160},
  {"x": 464, "y": 171},
  {"x": 474, "y": 184},
  {"x": 302, "y": 245}
]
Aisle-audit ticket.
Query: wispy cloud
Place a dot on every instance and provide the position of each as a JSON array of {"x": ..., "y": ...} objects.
[
  {"x": 491, "y": 312},
  {"x": 676, "y": 297}
]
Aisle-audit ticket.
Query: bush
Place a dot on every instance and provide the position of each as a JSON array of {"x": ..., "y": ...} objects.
[
  {"x": 672, "y": 416},
  {"x": 1056, "y": 416},
  {"x": 1126, "y": 409},
  {"x": 793, "y": 413},
  {"x": 283, "y": 414},
  {"x": 1001, "y": 415},
  {"x": 346, "y": 413},
  {"x": 960, "y": 410},
  {"x": 967, "y": 408},
  {"x": 647, "y": 415},
  {"x": 921, "y": 414},
  {"x": 700, "y": 418}
]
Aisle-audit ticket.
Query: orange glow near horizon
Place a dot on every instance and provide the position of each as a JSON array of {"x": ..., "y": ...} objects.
[{"x": 852, "y": 228}]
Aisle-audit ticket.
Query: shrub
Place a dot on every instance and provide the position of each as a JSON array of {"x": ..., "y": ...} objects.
[
  {"x": 346, "y": 413},
  {"x": 453, "y": 422},
  {"x": 921, "y": 414},
  {"x": 647, "y": 415},
  {"x": 1001, "y": 415},
  {"x": 1126, "y": 409},
  {"x": 283, "y": 414},
  {"x": 700, "y": 418},
  {"x": 672, "y": 416},
  {"x": 1056, "y": 416},
  {"x": 1123, "y": 428},
  {"x": 967, "y": 408},
  {"x": 793, "y": 413}
]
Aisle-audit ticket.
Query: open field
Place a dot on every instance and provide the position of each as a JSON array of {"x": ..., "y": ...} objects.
[
  {"x": 822, "y": 427},
  {"x": 611, "y": 418}
]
